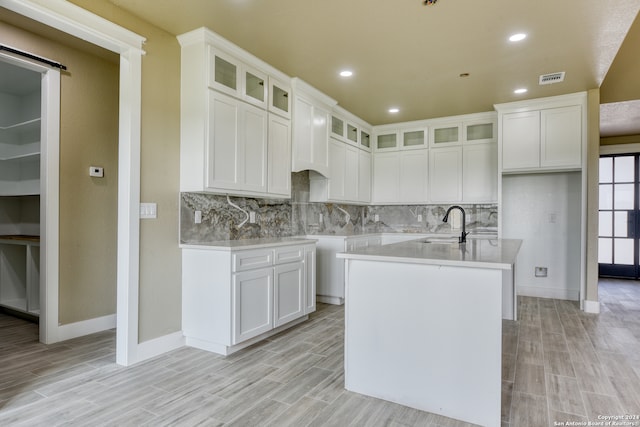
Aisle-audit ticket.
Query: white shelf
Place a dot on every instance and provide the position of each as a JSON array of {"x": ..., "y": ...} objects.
[
  {"x": 19, "y": 304},
  {"x": 25, "y": 125},
  {"x": 32, "y": 156}
]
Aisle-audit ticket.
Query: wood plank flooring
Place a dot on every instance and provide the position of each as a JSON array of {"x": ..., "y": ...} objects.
[{"x": 559, "y": 365}]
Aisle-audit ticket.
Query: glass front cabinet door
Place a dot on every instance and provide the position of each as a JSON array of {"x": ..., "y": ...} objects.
[{"x": 279, "y": 98}]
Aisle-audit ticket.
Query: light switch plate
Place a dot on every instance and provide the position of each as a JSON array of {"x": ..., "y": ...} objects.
[{"x": 148, "y": 210}]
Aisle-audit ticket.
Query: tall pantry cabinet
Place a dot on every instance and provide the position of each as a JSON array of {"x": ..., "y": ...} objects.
[{"x": 20, "y": 135}]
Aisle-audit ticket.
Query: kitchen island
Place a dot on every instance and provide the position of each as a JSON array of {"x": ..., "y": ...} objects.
[{"x": 423, "y": 324}]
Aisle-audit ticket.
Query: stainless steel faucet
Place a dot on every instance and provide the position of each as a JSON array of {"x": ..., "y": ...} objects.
[{"x": 463, "y": 236}]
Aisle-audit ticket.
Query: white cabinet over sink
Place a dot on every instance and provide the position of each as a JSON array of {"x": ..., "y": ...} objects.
[{"x": 235, "y": 120}]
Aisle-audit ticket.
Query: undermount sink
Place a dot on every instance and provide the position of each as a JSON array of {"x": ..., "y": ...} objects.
[{"x": 441, "y": 240}]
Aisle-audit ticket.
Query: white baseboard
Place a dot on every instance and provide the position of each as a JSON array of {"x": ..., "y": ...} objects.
[
  {"x": 157, "y": 346},
  {"x": 329, "y": 300},
  {"x": 539, "y": 292},
  {"x": 86, "y": 327},
  {"x": 591, "y": 306}
]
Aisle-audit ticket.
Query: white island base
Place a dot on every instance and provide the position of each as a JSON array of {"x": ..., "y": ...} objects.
[{"x": 426, "y": 336}]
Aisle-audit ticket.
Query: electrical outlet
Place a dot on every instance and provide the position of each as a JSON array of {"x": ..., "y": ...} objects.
[
  {"x": 376, "y": 218},
  {"x": 252, "y": 217},
  {"x": 197, "y": 218},
  {"x": 541, "y": 271},
  {"x": 321, "y": 218},
  {"x": 419, "y": 217}
]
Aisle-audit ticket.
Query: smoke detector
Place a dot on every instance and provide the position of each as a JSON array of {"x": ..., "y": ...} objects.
[{"x": 547, "y": 79}]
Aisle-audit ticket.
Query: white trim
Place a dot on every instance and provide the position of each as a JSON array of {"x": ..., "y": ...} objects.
[
  {"x": 591, "y": 306},
  {"x": 620, "y": 148},
  {"x": 73, "y": 20},
  {"x": 157, "y": 346},
  {"x": 50, "y": 207},
  {"x": 554, "y": 293},
  {"x": 86, "y": 327}
]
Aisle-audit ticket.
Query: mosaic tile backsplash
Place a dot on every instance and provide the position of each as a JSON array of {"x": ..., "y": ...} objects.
[{"x": 297, "y": 216}]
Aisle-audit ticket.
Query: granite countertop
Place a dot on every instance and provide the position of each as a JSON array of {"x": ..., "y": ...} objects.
[
  {"x": 232, "y": 245},
  {"x": 476, "y": 252}
]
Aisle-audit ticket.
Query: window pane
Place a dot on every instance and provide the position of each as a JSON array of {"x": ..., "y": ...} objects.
[
  {"x": 413, "y": 138},
  {"x": 620, "y": 225},
  {"x": 387, "y": 141},
  {"x": 604, "y": 251},
  {"x": 606, "y": 169},
  {"x": 606, "y": 196},
  {"x": 624, "y": 169},
  {"x": 605, "y": 225},
  {"x": 623, "y": 195},
  {"x": 623, "y": 251}
]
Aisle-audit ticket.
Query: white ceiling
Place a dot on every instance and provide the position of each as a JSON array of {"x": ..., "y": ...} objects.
[{"x": 406, "y": 54}]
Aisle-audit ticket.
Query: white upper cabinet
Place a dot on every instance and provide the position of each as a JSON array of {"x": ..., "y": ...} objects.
[
  {"x": 364, "y": 176},
  {"x": 235, "y": 133},
  {"x": 338, "y": 128},
  {"x": 386, "y": 140},
  {"x": 279, "y": 160},
  {"x": 311, "y": 123},
  {"x": 414, "y": 177},
  {"x": 445, "y": 134},
  {"x": 445, "y": 175},
  {"x": 480, "y": 131},
  {"x": 414, "y": 138},
  {"x": 543, "y": 134},
  {"x": 386, "y": 177},
  {"x": 365, "y": 140},
  {"x": 237, "y": 145},
  {"x": 480, "y": 173},
  {"x": 279, "y": 98}
]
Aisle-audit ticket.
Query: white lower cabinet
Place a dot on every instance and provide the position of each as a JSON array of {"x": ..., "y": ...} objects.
[
  {"x": 289, "y": 284},
  {"x": 330, "y": 276},
  {"x": 233, "y": 297},
  {"x": 252, "y": 304}
]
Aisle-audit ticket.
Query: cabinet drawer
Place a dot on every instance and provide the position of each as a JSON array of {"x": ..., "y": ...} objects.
[
  {"x": 289, "y": 254},
  {"x": 248, "y": 260}
]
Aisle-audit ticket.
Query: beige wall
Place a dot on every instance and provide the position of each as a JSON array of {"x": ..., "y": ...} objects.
[
  {"x": 88, "y": 136},
  {"x": 160, "y": 258},
  {"x": 593, "y": 156}
]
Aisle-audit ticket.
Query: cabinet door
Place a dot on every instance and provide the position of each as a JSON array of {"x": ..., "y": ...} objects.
[
  {"x": 252, "y": 303},
  {"x": 521, "y": 140},
  {"x": 413, "y": 138},
  {"x": 445, "y": 134},
  {"x": 310, "y": 279},
  {"x": 386, "y": 177},
  {"x": 561, "y": 137},
  {"x": 320, "y": 139},
  {"x": 480, "y": 173},
  {"x": 288, "y": 293},
  {"x": 337, "y": 128},
  {"x": 254, "y": 87},
  {"x": 279, "y": 165},
  {"x": 279, "y": 98},
  {"x": 223, "y": 72},
  {"x": 414, "y": 176},
  {"x": 364, "y": 176},
  {"x": 445, "y": 174},
  {"x": 222, "y": 140},
  {"x": 302, "y": 134},
  {"x": 252, "y": 148},
  {"x": 351, "y": 174},
  {"x": 387, "y": 140},
  {"x": 337, "y": 157}
]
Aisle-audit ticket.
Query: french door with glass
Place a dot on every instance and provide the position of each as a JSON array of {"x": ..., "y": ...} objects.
[{"x": 618, "y": 216}]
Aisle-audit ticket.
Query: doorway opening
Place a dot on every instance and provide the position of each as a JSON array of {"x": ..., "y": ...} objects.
[{"x": 618, "y": 217}]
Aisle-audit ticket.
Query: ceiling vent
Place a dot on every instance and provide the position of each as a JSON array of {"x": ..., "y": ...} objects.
[{"x": 547, "y": 79}]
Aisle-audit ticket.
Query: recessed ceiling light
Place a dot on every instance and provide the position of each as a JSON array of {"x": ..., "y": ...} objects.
[
  {"x": 394, "y": 110},
  {"x": 346, "y": 73},
  {"x": 521, "y": 90},
  {"x": 517, "y": 37}
]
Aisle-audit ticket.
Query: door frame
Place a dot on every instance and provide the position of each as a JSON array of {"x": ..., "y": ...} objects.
[{"x": 78, "y": 22}]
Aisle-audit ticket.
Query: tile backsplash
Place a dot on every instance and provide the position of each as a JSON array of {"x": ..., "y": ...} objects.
[{"x": 297, "y": 216}]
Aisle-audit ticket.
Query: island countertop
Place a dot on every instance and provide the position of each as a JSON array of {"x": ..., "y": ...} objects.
[
  {"x": 244, "y": 244},
  {"x": 476, "y": 252}
]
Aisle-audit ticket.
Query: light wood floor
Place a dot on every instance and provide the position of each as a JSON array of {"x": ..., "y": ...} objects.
[{"x": 559, "y": 364}]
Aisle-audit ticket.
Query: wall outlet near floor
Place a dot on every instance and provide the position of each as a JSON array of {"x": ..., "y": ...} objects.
[
  {"x": 252, "y": 217},
  {"x": 197, "y": 218},
  {"x": 541, "y": 271}
]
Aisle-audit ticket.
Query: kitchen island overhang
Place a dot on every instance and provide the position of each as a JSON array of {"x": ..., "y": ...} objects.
[{"x": 423, "y": 325}]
